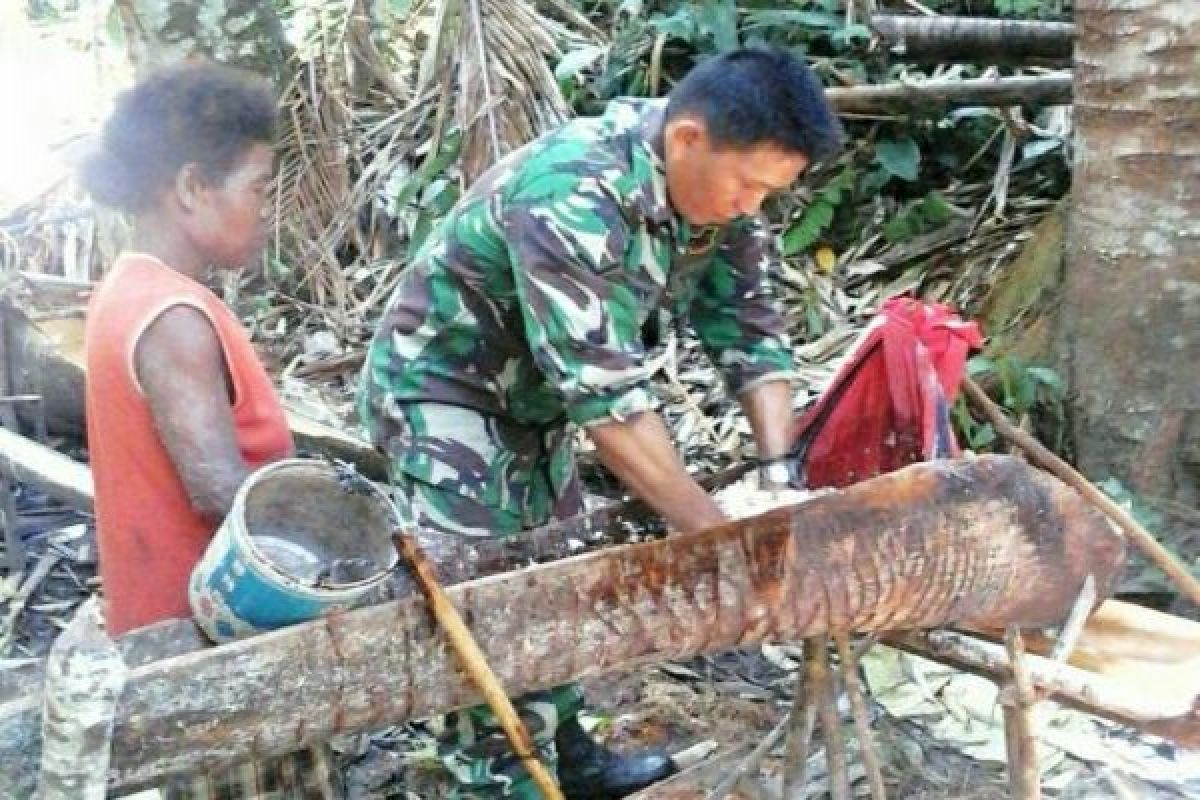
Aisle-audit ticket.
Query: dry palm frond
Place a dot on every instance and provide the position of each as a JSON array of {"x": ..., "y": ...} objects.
[{"x": 492, "y": 56}]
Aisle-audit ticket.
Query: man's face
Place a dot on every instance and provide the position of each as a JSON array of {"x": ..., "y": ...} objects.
[{"x": 710, "y": 185}]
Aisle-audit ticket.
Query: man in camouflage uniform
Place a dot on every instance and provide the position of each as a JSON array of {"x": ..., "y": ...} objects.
[{"x": 545, "y": 301}]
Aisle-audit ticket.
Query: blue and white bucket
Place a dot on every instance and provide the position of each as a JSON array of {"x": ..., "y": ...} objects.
[{"x": 303, "y": 539}]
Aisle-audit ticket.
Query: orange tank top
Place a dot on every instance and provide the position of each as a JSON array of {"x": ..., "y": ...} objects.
[{"x": 148, "y": 535}]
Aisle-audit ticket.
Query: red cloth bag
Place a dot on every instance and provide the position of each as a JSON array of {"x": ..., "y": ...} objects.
[{"x": 889, "y": 404}]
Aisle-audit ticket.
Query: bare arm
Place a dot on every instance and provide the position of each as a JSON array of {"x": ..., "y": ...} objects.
[
  {"x": 639, "y": 452},
  {"x": 768, "y": 406},
  {"x": 181, "y": 368}
]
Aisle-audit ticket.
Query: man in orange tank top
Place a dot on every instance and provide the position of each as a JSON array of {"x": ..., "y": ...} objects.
[{"x": 179, "y": 409}]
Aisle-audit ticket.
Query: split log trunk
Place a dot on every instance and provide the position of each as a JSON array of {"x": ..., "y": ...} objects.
[
  {"x": 988, "y": 542},
  {"x": 980, "y": 41},
  {"x": 935, "y": 97}
]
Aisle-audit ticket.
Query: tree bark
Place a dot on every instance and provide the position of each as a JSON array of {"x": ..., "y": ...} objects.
[
  {"x": 937, "y": 96},
  {"x": 1132, "y": 310},
  {"x": 922, "y": 547},
  {"x": 980, "y": 41}
]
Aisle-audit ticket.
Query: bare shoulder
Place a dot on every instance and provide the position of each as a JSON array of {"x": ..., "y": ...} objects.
[{"x": 180, "y": 348}]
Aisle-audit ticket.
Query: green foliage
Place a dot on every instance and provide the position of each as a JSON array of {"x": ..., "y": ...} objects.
[
  {"x": 1024, "y": 391},
  {"x": 1141, "y": 575},
  {"x": 817, "y": 216},
  {"x": 917, "y": 217},
  {"x": 900, "y": 157}
]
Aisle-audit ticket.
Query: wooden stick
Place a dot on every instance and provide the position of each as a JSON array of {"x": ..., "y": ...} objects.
[
  {"x": 749, "y": 763},
  {"x": 1072, "y": 629},
  {"x": 476, "y": 666},
  {"x": 1041, "y": 456},
  {"x": 831, "y": 726},
  {"x": 858, "y": 706},
  {"x": 1024, "y": 770},
  {"x": 801, "y": 723}
]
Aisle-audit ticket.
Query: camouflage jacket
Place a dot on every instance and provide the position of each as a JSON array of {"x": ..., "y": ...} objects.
[{"x": 548, "y": 293}]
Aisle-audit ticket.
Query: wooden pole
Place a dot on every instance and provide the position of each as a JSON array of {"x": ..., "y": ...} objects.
[
  {"x": 825, "y": 696},
  {"x": 858, "y": 705},
  {"x": 801, "y": 723},
  {"x": 476, "y": 665},
  {"x": 1024, "y": 769},
  {"x": 1041, "y": 456}
]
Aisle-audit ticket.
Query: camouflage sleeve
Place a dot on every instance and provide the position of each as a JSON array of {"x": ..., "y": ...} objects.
[
  {"x": 736, "y": 314},
  {"x": 582, "y": 307}
]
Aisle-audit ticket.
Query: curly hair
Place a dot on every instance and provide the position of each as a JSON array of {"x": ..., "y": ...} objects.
[{"x": 195, "y": 112}]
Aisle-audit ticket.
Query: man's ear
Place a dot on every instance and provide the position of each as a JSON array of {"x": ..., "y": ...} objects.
[
  {"x": 190, "y": 186},
  {"x": 686, "y": 132}
]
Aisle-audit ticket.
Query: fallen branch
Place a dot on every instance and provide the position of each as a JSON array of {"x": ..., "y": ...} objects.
[
  {"x": 1176, "y": 717},
  {"x": 1142, "y": 539},
  {"x": 938, "y": 96},
  {"x": 943, "y": 542},
  {"x": 980, "y": 41}
]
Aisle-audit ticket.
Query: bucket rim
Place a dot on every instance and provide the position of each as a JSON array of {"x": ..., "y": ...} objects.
[{"x": 261, "y": 561}]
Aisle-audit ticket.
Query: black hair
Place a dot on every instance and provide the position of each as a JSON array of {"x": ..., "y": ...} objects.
[
  {"x": 757, "y": 96},
  {"x": 194, "y": 112}
]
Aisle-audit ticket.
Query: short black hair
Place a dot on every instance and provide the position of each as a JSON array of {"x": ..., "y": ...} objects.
[
  {"x": 197, "y": 112},
  {"x": 757, "y": 96}
]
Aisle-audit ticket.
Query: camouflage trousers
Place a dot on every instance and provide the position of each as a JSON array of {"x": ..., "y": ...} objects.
[{"x": 532, "y": 485}]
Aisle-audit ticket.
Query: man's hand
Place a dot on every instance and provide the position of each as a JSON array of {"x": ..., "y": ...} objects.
[{"x": 640, "y": 453}]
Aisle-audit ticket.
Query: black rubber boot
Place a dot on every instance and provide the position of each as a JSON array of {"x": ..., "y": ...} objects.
[{"x": 588, "y": 771}]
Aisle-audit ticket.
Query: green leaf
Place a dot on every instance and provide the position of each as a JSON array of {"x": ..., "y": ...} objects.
[
  {"x": 1049, "y": 378},
  {"x": 718, "y": 19},
  {"x": 900, "y": 157},
  {"x": 808, "y": 229},
  {"x": 680, "y": 25}
]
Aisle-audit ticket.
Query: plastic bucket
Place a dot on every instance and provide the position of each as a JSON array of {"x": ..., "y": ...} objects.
[{"x": 302, "y": 540}]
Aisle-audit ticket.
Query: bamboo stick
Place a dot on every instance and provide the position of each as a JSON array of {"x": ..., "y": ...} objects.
[
  {"x": 476, "y": 665},
  {"x": 1041, "y": 456}
]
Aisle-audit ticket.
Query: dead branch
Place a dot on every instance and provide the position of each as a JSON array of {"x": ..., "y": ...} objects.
[
  {"x": 938, "y": 96},
  {"x": 1177, "y": 718},
  {"x": 980, "y": 41}
]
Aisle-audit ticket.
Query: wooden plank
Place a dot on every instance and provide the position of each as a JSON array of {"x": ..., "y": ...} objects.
[{"x": 923, "y": 547}]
